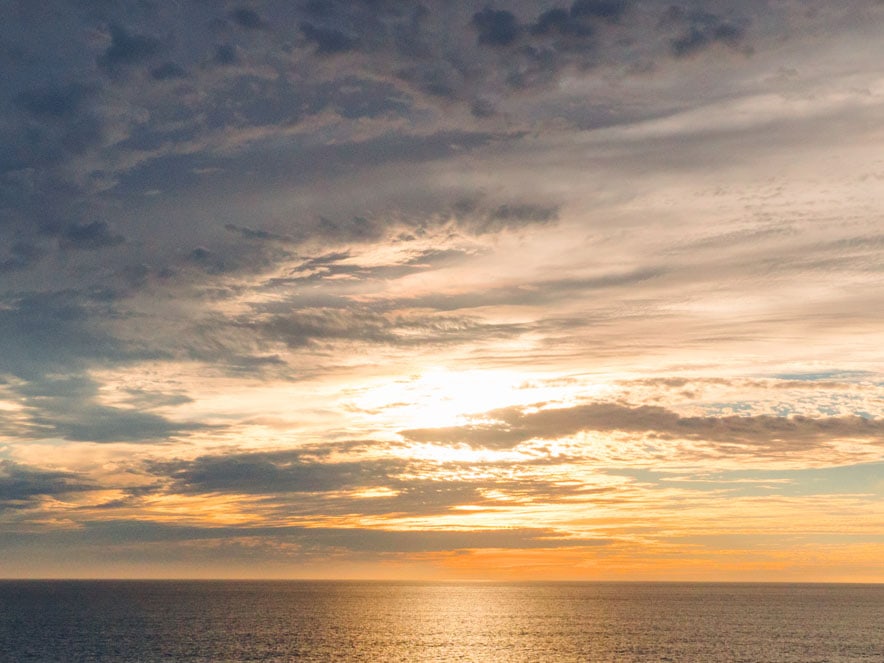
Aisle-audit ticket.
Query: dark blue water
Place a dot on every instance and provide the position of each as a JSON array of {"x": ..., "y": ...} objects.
[{"x": 376, "y": 621}]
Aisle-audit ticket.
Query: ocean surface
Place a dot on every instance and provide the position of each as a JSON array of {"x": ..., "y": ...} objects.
[{"x": 382, "y": 621}]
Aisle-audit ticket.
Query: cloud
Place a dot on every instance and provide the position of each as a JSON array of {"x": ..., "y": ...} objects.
[
  {"x": 57, "y": 333},
  {"x": 501, "y": 28},
  {"x": 516, "y": 215},
  {"x": 560, "y": 22},
  {"x": 95, "y": 423},
  {"x": 328, "y": 41},
  {"x": 225, "y": 55},
  {"x": 607, "y": 10},
  {"x": 47, "y": 127},
  {"x": 496, "y": 27},
  {"x": 311, "y": 483},
  {"x": 109, "y": 533},
  {"x": 94, "y": 235},
  {"x": 702, "y": 30},
  {"x": 143, "y": 399},
  {"x": 253, "y": 234},
  {"x": 541, "y": 292},
  {"x": 66, "y": 408},
  {"x": 854, "y": 479},
  {"x": 55, "y": 102},
  {"x": 273, "y": 472},
  {"x": 22, "y": 255},
  {"x": 51, "y": 339},
  {"x": 168, "y": 71},
  {"x": 127, "y": 48},
  {"x": 314, "y": 327},
  {"x": 247, "y": 18},
  {"x": 19, "y": 484},
  {"x": 267, "y": 346},
  {"x": 512, "y": 426},
  {"x": 431, "y": 541}
]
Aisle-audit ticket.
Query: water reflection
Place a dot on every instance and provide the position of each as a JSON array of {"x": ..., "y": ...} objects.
[{"x": 375, "y": 621}]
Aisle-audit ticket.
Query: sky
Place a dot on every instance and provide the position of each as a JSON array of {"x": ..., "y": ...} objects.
[{"x": 586, "y": 290}]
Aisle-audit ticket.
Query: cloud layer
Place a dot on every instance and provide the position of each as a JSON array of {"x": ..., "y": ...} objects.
[{"x": 390, "y": 286}]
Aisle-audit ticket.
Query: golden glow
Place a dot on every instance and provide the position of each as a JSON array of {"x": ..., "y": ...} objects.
[
  {"x": 440, "y": 397},
  {"x": 369, "y": 493},
  {"x": 461, "y": 453}
]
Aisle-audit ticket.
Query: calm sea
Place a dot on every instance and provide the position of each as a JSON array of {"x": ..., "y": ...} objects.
[{"x": 380, "y": 621}]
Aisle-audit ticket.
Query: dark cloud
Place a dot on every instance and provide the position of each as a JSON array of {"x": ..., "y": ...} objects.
[
  {"x": 55, "y": 102},
  {"x": 328, "y": 41},
  {"x": 128, "y": 48},
  {"x": 144, "y": 399},
  {"x": 355, "y": 228},
  {"x": 225, "y": 55},
  {"x": 50, "y": 340},
  {"x": 247, "y": 18},
  {"x": 482, "y": 108},
  {"x": 496, "y": 27},
  {"x": 303, "y": 162},
  {"x": 168, "y": 71},
  {"x": 355, "y": 97},
  {"x": 333, "y": 266},
  {"x": 437, "y": 257},
  {"x": 94, "y": 235},
  {"x": 253, "y": 234},
  {"x": 701, "y": 30},
  {"x": 560, "y": 22},
  {"x": 66, "y": 408},
  {"x": 558, "y": 38},
  {"x": 21, "y": 256},
  {"x": 397, "y": 29},
  {"x": 578, "y": 23},
  {"x": 19, "y": 484},
  {"x": 103, "y": 537},
  {"x": 439, "y": 79},
  {"x": 309, "y": 482},
  {"x": 476, "y": 215},
  {"x": 250, "y": 365},
  {"x": 95, "y": 423},
  {"x": 51, "y": 125},
  {"x": 763, "y": 432},
  {"x": 200, "y": 254},
  {"x": 328, "y": 266},
  {"x": 607, "y": 10},
  {"x": 323, "y": 261},
  {"x": 210, "y": 261},
  {"x": 274, "y": 472},
  {"x": 517, "y": 215},
  {"x": 57, "y": 332},
  {"x": 240, "y": 250},
  {"x": 319, "y": 326}
]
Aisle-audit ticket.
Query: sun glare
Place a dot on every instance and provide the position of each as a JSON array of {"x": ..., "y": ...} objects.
[{"x": 441, "y": 397}]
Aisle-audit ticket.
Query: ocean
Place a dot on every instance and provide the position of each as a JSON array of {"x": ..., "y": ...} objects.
[{"x": 411, "y": 621}]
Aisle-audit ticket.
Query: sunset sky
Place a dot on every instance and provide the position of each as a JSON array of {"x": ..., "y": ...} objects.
[{"x": 452, "y": 290}]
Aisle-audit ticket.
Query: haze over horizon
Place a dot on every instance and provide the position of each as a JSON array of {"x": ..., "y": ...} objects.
[{"x": 586, "y": 290}]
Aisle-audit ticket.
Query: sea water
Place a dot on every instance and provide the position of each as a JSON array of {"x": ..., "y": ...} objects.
[{"x": 404, "y": 621}]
